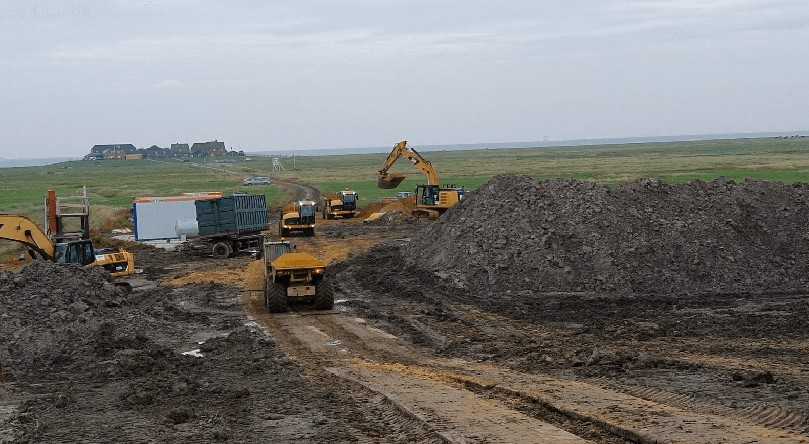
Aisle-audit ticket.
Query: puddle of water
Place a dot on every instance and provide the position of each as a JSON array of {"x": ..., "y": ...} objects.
[{"x": 197, "y": 353}]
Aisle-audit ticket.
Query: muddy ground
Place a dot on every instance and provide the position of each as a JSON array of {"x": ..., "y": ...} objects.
[
  {"x": 740, "y": 352},
  {"x": 730, "y": 336},
  {"x": 419, "y": 349},
  {"x": 81, "y": 361}
]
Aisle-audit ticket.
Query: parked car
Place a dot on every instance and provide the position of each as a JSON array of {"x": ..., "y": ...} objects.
[{"x": 256, "y": 180}]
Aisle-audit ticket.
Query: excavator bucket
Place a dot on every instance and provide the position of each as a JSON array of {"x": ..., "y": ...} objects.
[{"x": 389, "y": 181}]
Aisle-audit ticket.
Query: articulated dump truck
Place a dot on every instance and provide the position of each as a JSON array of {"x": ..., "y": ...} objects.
[
  {"x": 342, "y": 204},
  {"x": 298, "y": 216},
  {"x": 294, "y": 277}
]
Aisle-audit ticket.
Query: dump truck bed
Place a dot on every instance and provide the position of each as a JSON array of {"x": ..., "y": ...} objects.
[{"x": 290, "y": 261}]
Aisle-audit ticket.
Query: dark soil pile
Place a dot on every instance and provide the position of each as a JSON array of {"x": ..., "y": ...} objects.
[
  {"x": 46, "y": 310},
  {"x": 516, "y": 234},
  {"x": 82, "y": 361}
]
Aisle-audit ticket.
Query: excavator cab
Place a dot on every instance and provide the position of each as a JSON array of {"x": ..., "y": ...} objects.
[
  {"x": 79, "y": 252},
  {"x": 427, "y": 194}
]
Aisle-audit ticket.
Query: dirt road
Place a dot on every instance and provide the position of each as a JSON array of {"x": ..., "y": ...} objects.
[
  {"x": 297, "y": 190},
  {"x": 464, "y": 371}
]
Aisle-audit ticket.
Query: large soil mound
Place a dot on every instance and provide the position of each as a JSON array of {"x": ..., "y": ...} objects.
[{"x": 516, "y": 234}]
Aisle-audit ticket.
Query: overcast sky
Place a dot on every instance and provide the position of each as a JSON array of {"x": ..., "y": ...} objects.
[{"x": 326, "y": 73}]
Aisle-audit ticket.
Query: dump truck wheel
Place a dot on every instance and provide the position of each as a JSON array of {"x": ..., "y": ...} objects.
[
  {"x": 310, "y": 231},
  {"x": 324, "y": 296},
  {"x": 275, "y": 298},
  {"x": 221, "y": 250}
]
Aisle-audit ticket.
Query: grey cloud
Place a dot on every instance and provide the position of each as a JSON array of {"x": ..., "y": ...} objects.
[{"x": 323, "y": 73}]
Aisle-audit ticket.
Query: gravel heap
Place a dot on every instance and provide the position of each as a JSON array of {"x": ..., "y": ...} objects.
[{"x": 519, "y": 235}]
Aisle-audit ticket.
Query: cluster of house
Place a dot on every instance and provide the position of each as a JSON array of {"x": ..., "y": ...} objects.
[{"x": 127, "y": 151}]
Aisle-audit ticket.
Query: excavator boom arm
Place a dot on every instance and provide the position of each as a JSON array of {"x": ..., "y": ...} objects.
[
  {"x": 422, "y": 164},
  {"x": 23, "y": 230}
]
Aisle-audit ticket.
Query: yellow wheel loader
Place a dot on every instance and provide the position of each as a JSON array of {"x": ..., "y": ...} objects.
[
  {"x": 432, "y": 199},
  {"x": 298, "y": 216},
  {"x": 293, "y": 276},
  {"x": 342, "y": 204}
]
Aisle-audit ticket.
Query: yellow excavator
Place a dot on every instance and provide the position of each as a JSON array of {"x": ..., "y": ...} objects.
[
  {"x": 59, "y": 244},
  {"x": 432, "y": 200},
  {"x": 81, "y": 252}
]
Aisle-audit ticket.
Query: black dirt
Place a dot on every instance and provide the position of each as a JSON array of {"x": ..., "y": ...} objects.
[
  {"x": 642, "y": 286},
  {"x": 83, "y": 361},
  {"x": 647, "y": 237}
]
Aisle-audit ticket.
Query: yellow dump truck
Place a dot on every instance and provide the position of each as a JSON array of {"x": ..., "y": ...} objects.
[
  {"x": 342, "y": 204},
  {"x": 298, "y": 216},
  {"x": 292, "y": 276}
]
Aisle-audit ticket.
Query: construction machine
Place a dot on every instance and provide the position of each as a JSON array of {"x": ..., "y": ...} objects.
[
  {"x": 293, "y": 276},
  {"x": 80, "y": 251},
  {"x": 432, "y": 199},
  {"x": 61, "y": 245},
  {"x": 342, "y": 204},
  {"x": 298, "y": 216}
]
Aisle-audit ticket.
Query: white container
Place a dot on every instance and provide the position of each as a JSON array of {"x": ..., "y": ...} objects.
[{"x": 157, "y": 219}]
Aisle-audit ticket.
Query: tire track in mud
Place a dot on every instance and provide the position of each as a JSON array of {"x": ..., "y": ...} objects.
[
  {"x": 344, "y": 346},
  {"x": 395, "y": 425},
  {"x": 763, "y": 414}
]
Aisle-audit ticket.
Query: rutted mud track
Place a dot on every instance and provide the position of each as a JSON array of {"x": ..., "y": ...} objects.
[
  {"x": 721, "y": 351},
  {"x": 82, "y": 362},
  {"x": 601, "y": 368}
]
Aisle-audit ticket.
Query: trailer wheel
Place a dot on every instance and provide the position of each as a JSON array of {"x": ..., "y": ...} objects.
[
  {"x": 275, "y": 297},
  {"x": 221, "y": 250},
  {"x": 324, "y": 296}
]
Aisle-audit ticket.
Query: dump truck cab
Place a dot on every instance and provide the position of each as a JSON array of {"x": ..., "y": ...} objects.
[
  {"x": 298, "y": 216},
  {"x": 293, "y": 276},
  {"x": 342, "y": 204}
]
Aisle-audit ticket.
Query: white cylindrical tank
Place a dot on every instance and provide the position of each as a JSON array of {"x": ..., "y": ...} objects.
[{"x": 186, "y": 228}]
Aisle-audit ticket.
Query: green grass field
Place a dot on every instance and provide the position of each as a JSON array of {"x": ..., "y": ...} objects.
[{"x": 113, "y": 184}]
